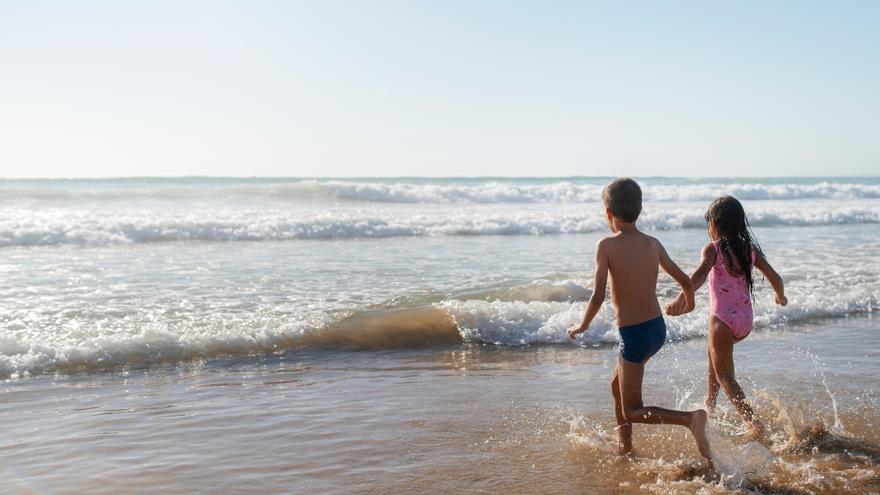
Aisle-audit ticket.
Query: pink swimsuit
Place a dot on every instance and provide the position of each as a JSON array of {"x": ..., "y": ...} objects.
[{"x": 729, "y": 296}]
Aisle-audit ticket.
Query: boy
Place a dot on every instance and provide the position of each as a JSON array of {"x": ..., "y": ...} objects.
[{"x": 632, "y": 259}]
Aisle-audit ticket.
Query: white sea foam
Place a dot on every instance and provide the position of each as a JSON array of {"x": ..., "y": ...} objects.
[
  {"x": 68, "y": 309},
  {"x": 32, "y": 344},
  {"x": 567, "y": 192},
  {"x": 536, "y": 322},
  {"x": 28, "y": 227},
  {"x": 70, "y": 340}
]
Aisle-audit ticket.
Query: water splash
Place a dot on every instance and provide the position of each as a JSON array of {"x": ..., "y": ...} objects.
[{"x": 819, "y": 369}]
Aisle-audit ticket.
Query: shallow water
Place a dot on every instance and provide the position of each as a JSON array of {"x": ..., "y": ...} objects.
[
  {"x": 408, "y": 335},
  {"x": 469, "y": 418},
  {"x": 68, "y": 308},
  {"x": 106, "y": 273}
]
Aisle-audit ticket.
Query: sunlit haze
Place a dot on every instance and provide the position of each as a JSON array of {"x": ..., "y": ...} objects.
[{"x": 453, "y": 88}]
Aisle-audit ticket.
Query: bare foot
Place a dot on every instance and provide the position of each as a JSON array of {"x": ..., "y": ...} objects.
[
  {"x": 624, "y": 439},
  {"x": 623, "y": 450},
  {"x": 698, "y": 429}
]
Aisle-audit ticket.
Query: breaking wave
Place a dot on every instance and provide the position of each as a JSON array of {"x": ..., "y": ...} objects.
[
  {"x": 86, "y": 228},
  {"x": 573, "y": 192},
  {"x": 540, "y": 316}
]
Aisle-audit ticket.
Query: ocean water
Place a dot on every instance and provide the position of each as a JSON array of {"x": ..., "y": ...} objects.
[{"x": 290, "y": 331}]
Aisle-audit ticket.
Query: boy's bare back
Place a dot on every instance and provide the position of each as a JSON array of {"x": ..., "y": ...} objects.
[{"x": 633, "y": 260}]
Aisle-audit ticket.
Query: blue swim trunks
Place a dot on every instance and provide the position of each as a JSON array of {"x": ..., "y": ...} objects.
[{"x": 641, "y": 341}]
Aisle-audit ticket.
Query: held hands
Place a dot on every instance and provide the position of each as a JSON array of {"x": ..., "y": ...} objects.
[
  {"x": 678, "y": 306},
  {"x": 781, "y": 300}
]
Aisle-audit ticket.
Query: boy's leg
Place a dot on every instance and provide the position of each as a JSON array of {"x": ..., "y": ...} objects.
[
  {"x": 624, "y": 427},
  {"x": 712, "y": 381},
  {"x": 721, "y": 351},
  {"x": 630, "y": 376}
]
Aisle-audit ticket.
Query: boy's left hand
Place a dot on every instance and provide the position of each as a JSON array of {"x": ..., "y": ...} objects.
[{"x": 574, "y": 330}]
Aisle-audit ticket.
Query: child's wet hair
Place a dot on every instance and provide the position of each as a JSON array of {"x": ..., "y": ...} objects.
[
  {"x": 623, "y": 197},
  {"x": 728, "y": 217}
]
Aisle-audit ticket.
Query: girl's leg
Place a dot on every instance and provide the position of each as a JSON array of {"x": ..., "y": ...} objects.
[
  {"x": 721, "y": 355},
  {"x": 624, "y": 427},
  {"x": 630, "y": 376},
  {"x": 712, "y": 381}
]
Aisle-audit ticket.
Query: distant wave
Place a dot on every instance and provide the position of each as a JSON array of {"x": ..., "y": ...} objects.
[
  {"x": 89, "y": 228},
  {"x": 391, "y": 191},
  {"x": 571, "y": 192}
]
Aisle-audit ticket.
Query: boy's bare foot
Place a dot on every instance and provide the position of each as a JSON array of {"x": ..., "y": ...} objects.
[
  {"x": 698, "y": 429},
  {"x": 623, "y": 450},
  {"x": 624, "y": 439}
]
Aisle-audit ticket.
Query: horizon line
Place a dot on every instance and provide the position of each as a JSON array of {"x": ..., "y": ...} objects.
[{"x": 433, "y": 177}]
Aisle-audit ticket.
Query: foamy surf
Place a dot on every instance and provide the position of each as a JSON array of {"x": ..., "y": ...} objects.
[
  {"x": 107, "y": 274},
  {"x": 136, "y": 211},
  {"x": 494, "y": 321},
  {"x": 98, "y": 227},
  {"x": 538, "y": 322}
]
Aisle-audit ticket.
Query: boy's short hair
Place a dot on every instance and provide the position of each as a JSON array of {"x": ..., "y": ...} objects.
[{"x": 623, "y": 197}]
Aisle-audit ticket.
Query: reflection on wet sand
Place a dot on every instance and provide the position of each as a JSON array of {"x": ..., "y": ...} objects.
[{"x": 458, "y": 417}]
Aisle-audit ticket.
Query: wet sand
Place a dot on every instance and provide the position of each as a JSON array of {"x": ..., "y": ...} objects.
[{"x": 456, "y": 418}]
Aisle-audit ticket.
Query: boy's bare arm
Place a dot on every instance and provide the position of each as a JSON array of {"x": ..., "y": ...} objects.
[
  {"x": 600, "y": 280},
  {"x": 774, "y": 278},
  {"x": 679, "y": 276}
]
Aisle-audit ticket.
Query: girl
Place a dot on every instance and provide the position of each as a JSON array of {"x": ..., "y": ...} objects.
[{"x": 728, "y": 262}]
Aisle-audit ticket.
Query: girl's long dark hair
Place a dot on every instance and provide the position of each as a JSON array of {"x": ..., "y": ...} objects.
[{"x": 735, "y": 236}]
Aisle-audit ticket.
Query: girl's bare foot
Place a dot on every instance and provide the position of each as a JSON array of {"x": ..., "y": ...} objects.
[
  {"x": 757, "y": 433},
  {"x": 698, "y": 429}
]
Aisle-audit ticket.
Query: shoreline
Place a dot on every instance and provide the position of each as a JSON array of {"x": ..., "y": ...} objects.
[
  {"x": 403, "y": 339},
  {"x": 433, "y": 419}
]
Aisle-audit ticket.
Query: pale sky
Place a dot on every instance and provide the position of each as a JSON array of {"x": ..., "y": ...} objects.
[{"x": 440, "y": 88}]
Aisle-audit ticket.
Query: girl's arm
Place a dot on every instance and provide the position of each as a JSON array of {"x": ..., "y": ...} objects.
[
  {"x": 683, "y": 280},
  {"x": 773, "y": 277},
  {"x": 598, "y": 297},
  {"x": 698, "y": 278},
  {"x": 707, "y": 261}
]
